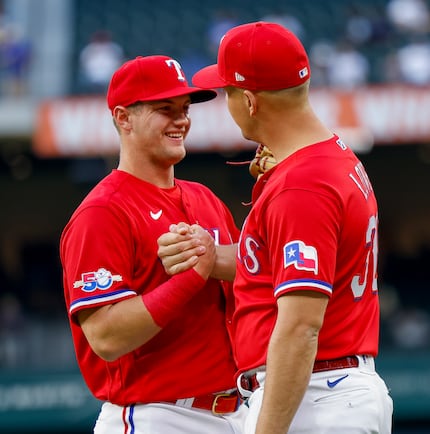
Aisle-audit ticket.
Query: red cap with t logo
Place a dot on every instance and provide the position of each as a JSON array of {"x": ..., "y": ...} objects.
[{"x": 151, "y": 78}]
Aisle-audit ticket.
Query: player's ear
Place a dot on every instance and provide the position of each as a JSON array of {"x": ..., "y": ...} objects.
[
  {"x": 251, "y": 102},
  {"x": 122, "y": 117}
]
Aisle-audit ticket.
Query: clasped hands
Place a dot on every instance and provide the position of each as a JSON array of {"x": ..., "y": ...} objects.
[{"x": 187, "y": 246}]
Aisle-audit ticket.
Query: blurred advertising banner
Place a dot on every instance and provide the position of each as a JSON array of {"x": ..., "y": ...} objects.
[
  {"x": 45, "y": 402},
  {"x": 374, "y": 115}
]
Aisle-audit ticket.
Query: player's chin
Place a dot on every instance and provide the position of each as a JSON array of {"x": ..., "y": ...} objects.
[
  {"x": 177, "y": 154},
  {"x": 179, "y": 149},
  {"x": 246, "y": 134}
]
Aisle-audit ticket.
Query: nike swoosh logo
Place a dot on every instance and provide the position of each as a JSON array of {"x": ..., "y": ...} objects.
[
  {"x": 156, "y": 215},
  {"x": 334, "y": 383}
]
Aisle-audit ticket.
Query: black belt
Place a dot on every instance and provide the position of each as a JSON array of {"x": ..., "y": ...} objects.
[{"x": 249, "y": 382}]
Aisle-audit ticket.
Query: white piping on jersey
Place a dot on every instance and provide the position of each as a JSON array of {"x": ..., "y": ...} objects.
[
  {"x": 304, "y": 283},
  {"x": 89, "y": 301}
]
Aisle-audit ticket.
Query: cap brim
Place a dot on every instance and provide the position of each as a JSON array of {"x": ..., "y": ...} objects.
[
  {"x": 202, "y": 95},
  {"x": 208, "y": 78},
  {"x": 196, "y": 95}
]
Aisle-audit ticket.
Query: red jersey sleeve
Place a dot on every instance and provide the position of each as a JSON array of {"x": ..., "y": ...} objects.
[
  {"x": 304, "y": 241},
  {"x": 96, "y": 251}
]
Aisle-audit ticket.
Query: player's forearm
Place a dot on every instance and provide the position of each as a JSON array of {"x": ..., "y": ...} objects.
[
  {"x": 289, "y": 365},
  {"x": 291, "y": 354},
  {"x": 225, "y": 262},
  {"x": 115, "y": 330}
]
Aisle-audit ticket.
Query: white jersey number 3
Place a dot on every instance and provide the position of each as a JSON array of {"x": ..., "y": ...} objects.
[{"x": 359, "y": 281}]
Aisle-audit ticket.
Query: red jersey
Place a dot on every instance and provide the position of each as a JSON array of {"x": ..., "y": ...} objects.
[
  {"x": 109, "y": 253},
  {"x": 312, "y": 226}
]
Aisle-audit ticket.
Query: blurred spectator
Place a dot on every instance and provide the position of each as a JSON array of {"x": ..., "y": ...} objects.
[
  {"x": 409, "y": 16},
  {"x": 365, "y": 26},
  {"x": 15, "y": 55},
  {"x": 348, "y": 67},
  {"x": 321, "y": 55},
  {"x": 222, "y": 20},
  {"x": 411, "y": 329},
  {"x": 412, "y": 62},
  {"x": 287, "y": 20},
  {"x": 359, "y": 29},
  {"x": 98, "y": 61}
]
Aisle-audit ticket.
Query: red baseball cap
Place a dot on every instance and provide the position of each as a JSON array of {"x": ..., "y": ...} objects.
[
  {"x": 257, "y": 56},
  {"x": 151, "y": 78}
]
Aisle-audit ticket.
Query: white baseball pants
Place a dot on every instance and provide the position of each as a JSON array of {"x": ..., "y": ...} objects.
[
  {"x": 166, "y": 419},
  {"x": 341, "y": 401}
]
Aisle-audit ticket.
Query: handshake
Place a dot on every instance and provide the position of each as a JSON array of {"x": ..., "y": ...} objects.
[{"x": 190, "y": 246}]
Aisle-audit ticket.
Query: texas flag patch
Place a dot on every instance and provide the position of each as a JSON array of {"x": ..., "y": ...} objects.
[{"x": 300, "y": 255}]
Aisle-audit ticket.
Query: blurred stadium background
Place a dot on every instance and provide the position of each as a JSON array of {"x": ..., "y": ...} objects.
[{"x": 370, "y": 82}]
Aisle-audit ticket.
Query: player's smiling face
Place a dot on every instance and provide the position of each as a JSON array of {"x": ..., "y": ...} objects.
[{"x": 160, "y": 128}]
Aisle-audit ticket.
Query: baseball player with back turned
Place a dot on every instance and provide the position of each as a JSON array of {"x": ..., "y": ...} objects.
[
  {"x": 306, "y": 324},
  {"x": 155, "y": 348}
]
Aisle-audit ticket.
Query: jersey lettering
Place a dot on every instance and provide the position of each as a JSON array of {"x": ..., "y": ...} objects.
[
  {"x": 177, "y": 66},
  {"x": 359, "y": 281},
  {"x": 249, "y": 259},
  {"x": 362, "y": 180},
  {"x": 214, "y": 232}
]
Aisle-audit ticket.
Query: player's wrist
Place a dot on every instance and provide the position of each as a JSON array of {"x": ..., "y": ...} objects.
[
  {"x": 165, "y": 302},
  {"x": 204, "y": 270}
]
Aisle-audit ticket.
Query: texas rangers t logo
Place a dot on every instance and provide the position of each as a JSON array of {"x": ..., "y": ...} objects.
[
  {"x": 300, "y": 255},
  {"x": 175, "y": 64}
]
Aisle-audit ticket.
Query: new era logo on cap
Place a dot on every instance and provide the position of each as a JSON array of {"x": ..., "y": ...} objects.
[
  {"x": 239, "y": 77},
  {"x": 268, "y": 56}
]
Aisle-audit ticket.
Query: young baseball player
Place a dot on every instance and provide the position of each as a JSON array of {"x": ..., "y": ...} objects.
[
  {"x": 306, "y": 325},
  {"x": 154, "y": 348}
]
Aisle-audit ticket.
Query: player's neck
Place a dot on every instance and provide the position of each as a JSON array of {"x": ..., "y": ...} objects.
[
  {"x": 162, "y": 177},
  {"x": 295, "y": 134}
]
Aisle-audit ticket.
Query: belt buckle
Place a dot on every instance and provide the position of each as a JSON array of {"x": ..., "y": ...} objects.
[{"x": 215, "y": 401}]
